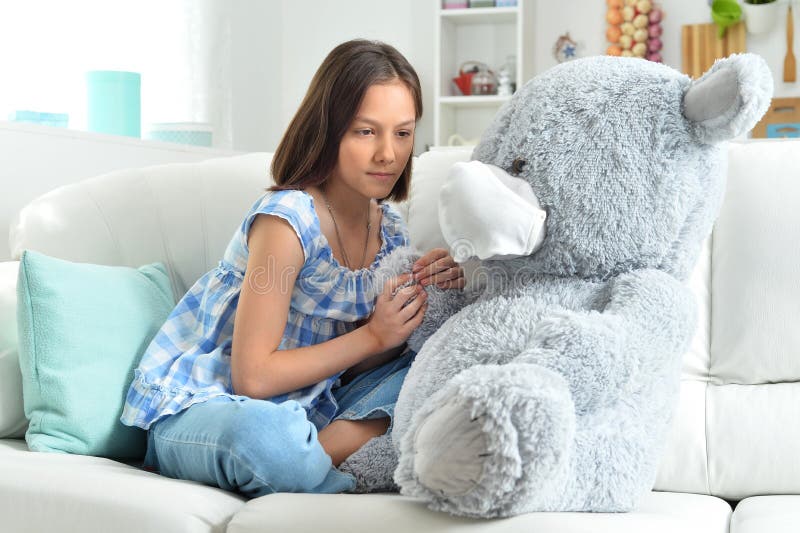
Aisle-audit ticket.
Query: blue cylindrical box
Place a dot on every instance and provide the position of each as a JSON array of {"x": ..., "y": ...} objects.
[{"x": 114, "y": 102}]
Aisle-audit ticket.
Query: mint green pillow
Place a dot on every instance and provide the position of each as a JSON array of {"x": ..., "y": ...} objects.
[{"x": 82, "y": 330}]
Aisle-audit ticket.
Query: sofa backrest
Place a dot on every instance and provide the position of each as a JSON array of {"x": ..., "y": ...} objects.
[
  {"x": 737, "y": 432},
  {"x": 736, "y": 429},
  {"x": 180, "y": 214}
]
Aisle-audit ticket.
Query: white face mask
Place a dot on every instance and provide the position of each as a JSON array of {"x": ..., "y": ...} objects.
[{"x": 488, "y": 214}]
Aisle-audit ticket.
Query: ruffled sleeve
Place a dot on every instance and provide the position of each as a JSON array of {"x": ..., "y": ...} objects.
[{"x": 292, "y": 206}]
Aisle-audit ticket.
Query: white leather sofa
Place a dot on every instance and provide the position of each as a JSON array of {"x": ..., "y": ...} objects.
[{"x": 736, "y": 437}]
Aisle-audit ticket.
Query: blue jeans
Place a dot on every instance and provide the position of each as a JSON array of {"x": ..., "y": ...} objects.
[{"x": 257, "y": 447}]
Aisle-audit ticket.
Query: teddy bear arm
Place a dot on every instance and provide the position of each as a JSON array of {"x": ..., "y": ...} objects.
[
  {"x": 588, "y": 350},
  {"x": 658, "y": 311},
  {"x": 648, "y": 321},
  {"x": 442, "y": 304}
]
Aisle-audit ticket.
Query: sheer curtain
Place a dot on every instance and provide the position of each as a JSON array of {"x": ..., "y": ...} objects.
[{"x": 180, "y": 47}]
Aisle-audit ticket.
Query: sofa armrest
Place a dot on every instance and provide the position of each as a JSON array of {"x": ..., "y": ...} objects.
[{"x": 12, "y": 417}]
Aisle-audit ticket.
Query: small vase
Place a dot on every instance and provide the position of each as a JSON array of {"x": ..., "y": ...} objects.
[{"x": 760, "y": 18}]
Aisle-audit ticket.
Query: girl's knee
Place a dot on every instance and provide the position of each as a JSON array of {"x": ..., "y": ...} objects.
[
  {"x": 279, "y": 443},
  {"x": 260, "y": 424}
]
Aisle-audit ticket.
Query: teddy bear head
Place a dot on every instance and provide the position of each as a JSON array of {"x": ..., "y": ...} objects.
[{"x": 625, "y": 158}]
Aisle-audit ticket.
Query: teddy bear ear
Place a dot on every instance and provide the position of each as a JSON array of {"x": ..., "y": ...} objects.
[{"x": 729, "y": 99}]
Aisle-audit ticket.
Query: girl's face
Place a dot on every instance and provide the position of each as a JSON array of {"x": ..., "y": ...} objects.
[{"x": 375, "y": 148}]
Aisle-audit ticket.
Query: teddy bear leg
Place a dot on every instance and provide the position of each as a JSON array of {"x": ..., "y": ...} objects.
[
  {"x": 373, "y": 465},
  {"x": 494, "y": 441}
]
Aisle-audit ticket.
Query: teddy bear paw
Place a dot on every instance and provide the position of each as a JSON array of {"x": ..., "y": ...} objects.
[
  {"x": 493, "y": 439},
  {"x": 450, "y": 451}
]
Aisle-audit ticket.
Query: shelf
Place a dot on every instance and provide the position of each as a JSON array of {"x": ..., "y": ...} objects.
[
  {"x": 480, "y": 15},
  {"x": 95, "y": 137},
  {"x": 473, "y": 101},
  {"x": 486, "y": 34}
]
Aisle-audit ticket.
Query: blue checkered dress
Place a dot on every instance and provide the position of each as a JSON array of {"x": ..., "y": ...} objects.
[{"x": 189, "y": 359}]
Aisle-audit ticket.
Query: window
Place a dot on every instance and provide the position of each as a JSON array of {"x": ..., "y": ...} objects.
[{"x": 177, "y": 46}]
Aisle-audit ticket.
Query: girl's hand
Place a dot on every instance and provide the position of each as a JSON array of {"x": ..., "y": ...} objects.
[
  {"x": 392, "y": 321},
  {"x": 438, "y": 267}
]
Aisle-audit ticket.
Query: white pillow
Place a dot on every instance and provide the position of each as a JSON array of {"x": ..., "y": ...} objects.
[
  {"x": 13, "y": 423},
  {"x": 430, "y": 171}
]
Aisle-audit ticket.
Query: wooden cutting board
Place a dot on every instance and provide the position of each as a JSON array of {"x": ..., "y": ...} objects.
[
  {"x": 782, "y": 119},
  {"x": 700, "y": 46}
]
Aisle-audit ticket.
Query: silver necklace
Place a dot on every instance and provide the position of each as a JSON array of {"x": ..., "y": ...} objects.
[{"x": 339, "y": 237}]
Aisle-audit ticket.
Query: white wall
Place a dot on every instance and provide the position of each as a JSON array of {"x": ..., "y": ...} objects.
[
  {"x": 585, "y": 21},
  {"x": 278, "y": 44},
  {"x": 274, "y": 46},
  {"x": 406, "y": 25},
  {"x": 256, "y": 35},
  {"x": 772, "y": 46}
]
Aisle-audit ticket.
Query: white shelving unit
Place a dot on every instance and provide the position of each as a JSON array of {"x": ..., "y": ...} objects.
[{"x": 488, "y": 35}]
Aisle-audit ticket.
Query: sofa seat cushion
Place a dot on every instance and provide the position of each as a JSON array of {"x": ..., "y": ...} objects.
[
  {"x": 665, "y": 512},
  {"x": 63, "y": 492},
  {"x": 775, "y": 514}
]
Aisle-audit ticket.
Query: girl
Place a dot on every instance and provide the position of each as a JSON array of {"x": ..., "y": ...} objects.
[{"x": 277, "y": 365}]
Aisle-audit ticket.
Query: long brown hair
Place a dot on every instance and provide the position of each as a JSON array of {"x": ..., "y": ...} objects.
[{"x": 309, "y": 149}]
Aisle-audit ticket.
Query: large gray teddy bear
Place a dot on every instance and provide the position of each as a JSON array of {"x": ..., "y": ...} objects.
[{"x": 551, "y": 387}]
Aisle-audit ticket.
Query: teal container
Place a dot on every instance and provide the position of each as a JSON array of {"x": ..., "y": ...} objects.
[
  {"x": 195, "y": 133},
  {"x": 114, "y": 102},
  {"x": 56, "y": 120}
]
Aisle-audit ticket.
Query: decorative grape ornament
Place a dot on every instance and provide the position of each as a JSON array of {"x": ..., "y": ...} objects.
[{"x": 634, "y": 29}]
